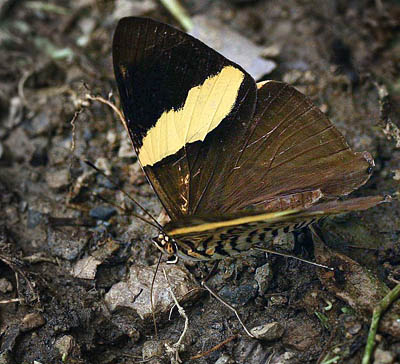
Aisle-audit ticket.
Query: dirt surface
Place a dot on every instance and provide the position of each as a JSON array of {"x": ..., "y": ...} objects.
[{"x": 72, "y": 293}]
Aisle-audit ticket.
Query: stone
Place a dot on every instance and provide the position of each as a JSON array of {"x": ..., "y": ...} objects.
[
  {"x": 102, "y": 212},
  {"x": 65, "y": 344},
  {"x": 32, "y": 321},
  {"x": 67, "y": 243},
  {"x": 383, "y": 357},
  {"x": 5, "y": 286},
  {"x": 135, "y": 292},
  {"x": 263, "y": 277},
  {"x": 34, "y": 218},
  {"x": 152, "y": 348},
  {"x": 268, "y": 332},
  {"x": 57, "y": 179},
  {"x": 240, "y": 295},
  {"x": 86, "y": 268}
]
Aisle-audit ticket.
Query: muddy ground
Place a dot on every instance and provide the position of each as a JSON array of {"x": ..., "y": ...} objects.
[{"x": 79, "y": 293}]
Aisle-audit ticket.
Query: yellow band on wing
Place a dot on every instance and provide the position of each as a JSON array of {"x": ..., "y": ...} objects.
[
  {"x": 272, "y": 216},
  {"x": 205, "y": 107}
]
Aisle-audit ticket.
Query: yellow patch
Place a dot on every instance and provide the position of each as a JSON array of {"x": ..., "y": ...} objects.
[
  {"x": 261, "y": 84},
  {"x": 271, "y": 216},
  {"x": 205, "y": 107}
]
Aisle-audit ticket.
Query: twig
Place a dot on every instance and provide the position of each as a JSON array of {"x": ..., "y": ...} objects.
[
  {"x": 378, "y": 311},
  {"x": 109, "y": 103},
  {"x": 17, "y": 271},
  {"x": 179, "y": 13},
  {"x": 153, "y": 311},
  {"x": 214, "y": 348},
  {"x": 174, "y": 349},
  {"x": 12, "y": 300},
  {"x": 72, "y": 122},
  {"x": 21, "y": 86}
]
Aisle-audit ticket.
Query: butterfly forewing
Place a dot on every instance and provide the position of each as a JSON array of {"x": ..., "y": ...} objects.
[{"x": 179, "y": 99}]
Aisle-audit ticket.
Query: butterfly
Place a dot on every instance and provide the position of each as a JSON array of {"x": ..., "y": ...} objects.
[{"x": 233, "y": 162}]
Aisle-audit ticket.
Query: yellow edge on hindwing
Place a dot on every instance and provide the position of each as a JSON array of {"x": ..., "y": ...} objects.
[
  {"x": 205, "y": 107},
  {"x": 272, "y": 216}
]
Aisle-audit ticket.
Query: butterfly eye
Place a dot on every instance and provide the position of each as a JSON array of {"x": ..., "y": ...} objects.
[{"x": 170, "y": 248}]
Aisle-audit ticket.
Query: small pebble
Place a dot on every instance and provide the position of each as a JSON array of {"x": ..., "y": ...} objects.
[
  {"x": 5, "y": 285},
  {"x": 152, "y": 349},
  {"x": 103, "y": 213},
  {"x": 268, "y": 332},
  {"x": 65, "y": 344},
  {"x": 278, "y": 300},
  {"x": 67, "y": 244},
  {"x": 39, "y": 125},
  {"x": 34, "y": 218},
  {"x": 239, "y": 295},
  {"x": 57, "y": 179},
  {"x": 383, "y": 357},
  {"x": 32, "y": 321},
  {"x": 355, "y": 329},
  {"x": 126, "y": 150},
  {"x": 263, "y": 277},
  {"x": 86, "y": 268},
  {"x": 224, "y": 359}
]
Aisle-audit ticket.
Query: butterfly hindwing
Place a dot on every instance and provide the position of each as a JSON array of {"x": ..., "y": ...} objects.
[
  {"x": 292, "y": 150},
  {"x": 216, "y": 237}
]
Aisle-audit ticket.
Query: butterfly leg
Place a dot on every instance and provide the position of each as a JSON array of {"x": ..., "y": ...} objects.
[
  {"x": 291, "y": 256},
  {"x": 220, "y": 299}
]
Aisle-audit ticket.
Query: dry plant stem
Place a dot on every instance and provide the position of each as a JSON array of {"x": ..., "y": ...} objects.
[
  {"x": 21, "y": 86},
  {"x": 73, "y": 121},
  {"x": 214, "y": 348},
  {"x": 13, "y": 300},
  {"x": 378, "y": 311},
  {"x": 179, "y": 13},
  {"x": 153, "y": 313},
  {"x": 17, "y": 271},
  {"x": 109, "y": 103},
  {"x": 220, "y": 299},
  {"x": 292, "y": 256},
  {"x": 177, "y": 345}
]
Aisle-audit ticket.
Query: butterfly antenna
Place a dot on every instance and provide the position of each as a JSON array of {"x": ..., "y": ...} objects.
[
  {"x": 155, "y": 224},
  {"x": 294, "y": 257},
  {"x": 126, "y": 211}
]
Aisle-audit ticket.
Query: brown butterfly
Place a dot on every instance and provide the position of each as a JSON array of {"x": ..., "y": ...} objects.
[{"x": 233, "y": 162}]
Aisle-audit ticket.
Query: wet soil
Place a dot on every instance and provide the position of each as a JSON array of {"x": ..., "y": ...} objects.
[{"x": 63, "y": 249}]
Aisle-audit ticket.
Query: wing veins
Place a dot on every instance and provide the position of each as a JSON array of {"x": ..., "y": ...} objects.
[
  {"x": 309, "y": 150},
  {"x": 254, "y": 126}
]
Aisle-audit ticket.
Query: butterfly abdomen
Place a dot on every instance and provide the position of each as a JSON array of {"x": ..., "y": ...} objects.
[{"x": 234, "y": 241}]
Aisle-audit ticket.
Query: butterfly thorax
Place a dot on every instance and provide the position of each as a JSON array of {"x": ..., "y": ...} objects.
[{"x": 167, "y": 246}]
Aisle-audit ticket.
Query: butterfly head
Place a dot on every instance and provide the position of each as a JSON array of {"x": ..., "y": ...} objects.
[{"x": 168, "y": 246}]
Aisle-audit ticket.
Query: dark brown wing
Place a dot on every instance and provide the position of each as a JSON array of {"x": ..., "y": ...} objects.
[
  {"x": 292, "y": 150},
  {"x": 184, "y": 104},
  {"x": 209, "y": 141}
]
